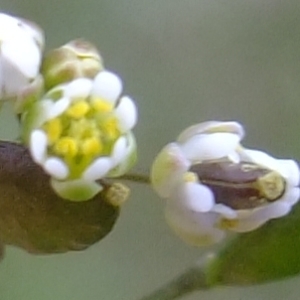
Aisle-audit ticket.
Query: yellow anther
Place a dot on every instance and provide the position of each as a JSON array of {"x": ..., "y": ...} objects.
[
  {"x": 78, "y": 109},
  {"x": 100, "y": 105},
  {"x": 190, "y": 177},
  {"x": 228, "y": 223},
  {"x": 91, "y": 146},
  {"x": 53, "y": 129},
  {"x": 66, "y": 146},
  {"x": 110, "y": 128}
]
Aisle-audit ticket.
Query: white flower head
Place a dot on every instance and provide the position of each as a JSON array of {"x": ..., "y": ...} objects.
[
  {"x": 213, "y": 185},
  {"x": 80, "y": 132},
  {"x": 21, "y": 45}
]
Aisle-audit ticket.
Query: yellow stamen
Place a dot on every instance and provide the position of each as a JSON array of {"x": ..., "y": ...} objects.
[
  {"x": 83, "y": 128},
  {"x": 91, "y": 146},
  {"x": 110, "y": 128},
  {"x": 53, "y": 129},
  {"x": 190, "y": 177},
  {"x": 66, "y": 146},
  {"x": 100, "y": 105},
  {"x": 228, "y": 223},
  {"x": 78, "y": 109}
]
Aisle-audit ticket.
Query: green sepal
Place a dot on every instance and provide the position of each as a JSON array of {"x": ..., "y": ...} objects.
[{"x": 77, "y": 190}]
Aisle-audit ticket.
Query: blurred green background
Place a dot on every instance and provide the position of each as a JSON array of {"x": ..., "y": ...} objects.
[{"x": 183, "y": 62}]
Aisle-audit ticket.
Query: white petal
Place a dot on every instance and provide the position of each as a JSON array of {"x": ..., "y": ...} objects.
[
  {"x": 225, "y": 211},
  {"x": 33, "y": 31},
  {"x": 194, "y": 228},
  {"x": 128, "y": 161},
  {"x": 126, "y": 113},
  {"x": 13, "y": 81},
  {"x": 26, "y": 61},
  {"x": 56, "y": 168},
  {"x": 167, "y": 169},
  {"x": 107, "y": 85},
  {"x": 76, "y": 190},
  {"x": 8, "y": 27},
  {"x": 234, "y": 157},
  {"x": 260, "y": 158},
  {"x": 98, "y": 169},
  {"x": 58, "y": 108},
  {"x": 13, "y": 28},
  {"x": 290, "y": 171},
  {"x": 197, "y": 197},
  {"x": 260, "y": 216},
  {"x": 288, "y": 168},
  {"x": 119, "y": 151},
  {"x": 210, "y": 146},
  {"x": 38, "y": 145},
  {"x": 211, "y": 127},
  {"x": 80, "y": 87},
  {"x": 291, "y": 195},
  {"x": 276, "y": 210},
  {"x": 41, "y": 110}
]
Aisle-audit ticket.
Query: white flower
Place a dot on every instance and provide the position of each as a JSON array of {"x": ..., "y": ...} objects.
[
  {"x": 21, "y": 44},
  {"x": 213, "y": 184},
  {"x": 80, "y": 132}
]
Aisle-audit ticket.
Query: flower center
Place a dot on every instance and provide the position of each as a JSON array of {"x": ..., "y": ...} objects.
[{"x": 86, "y": 130}]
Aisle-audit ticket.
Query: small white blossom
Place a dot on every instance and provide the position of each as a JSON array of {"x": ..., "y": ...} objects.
[
  {"x": 80, "y": 132},
  {"x": 21, "y": 44},
  {"x": 212, "y": 184}
]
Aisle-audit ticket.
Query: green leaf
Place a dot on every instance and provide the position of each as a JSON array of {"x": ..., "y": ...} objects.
[
  {"x": 34, "y": 218},
  {"x": 270, "y": 253}
]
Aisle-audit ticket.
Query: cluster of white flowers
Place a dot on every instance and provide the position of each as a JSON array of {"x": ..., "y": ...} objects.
[
  {"x": 75, "y": 122},
  {"x": 77, "y": 126},
  {"x": 212, "y": 184},
  {"x": 80, "y": 132},
  {"x": 21, "y": 45}
]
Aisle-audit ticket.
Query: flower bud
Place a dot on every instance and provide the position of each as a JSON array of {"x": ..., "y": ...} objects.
[
  {"x": 213, "y": 185},
  {"x": 21, "y": 45},
  {"x": 75, "y": 59}
]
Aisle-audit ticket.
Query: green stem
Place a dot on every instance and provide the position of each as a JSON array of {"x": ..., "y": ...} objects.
[
  {"x": 191, "y": 280},
  {"x": 138, "y": 178}
]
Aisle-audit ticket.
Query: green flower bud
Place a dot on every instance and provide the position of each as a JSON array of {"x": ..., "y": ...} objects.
[{"x": 75, "y": 59}]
